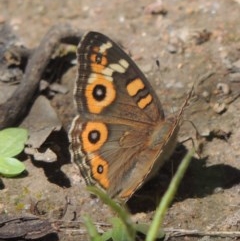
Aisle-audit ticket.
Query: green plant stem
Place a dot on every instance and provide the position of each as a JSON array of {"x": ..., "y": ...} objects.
[
  {"x": 168, "y": 197},
  {"x": 121, "y": 211}
]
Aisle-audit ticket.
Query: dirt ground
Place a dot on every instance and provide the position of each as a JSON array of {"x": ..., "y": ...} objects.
[{"x": 196, "y": 42}]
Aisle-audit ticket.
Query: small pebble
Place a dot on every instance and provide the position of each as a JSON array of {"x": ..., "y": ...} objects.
[
  {"x": 236, "y": 65},
  {"x": 58, "y": 88},
  {"x": 205, "y": 133},
  {"x": 219, "y": 107},
  {"x": 175, "y": 45},
  {"x": 224, "y": 88},
  {"x": 218, "y": 190},
  {"x": 234, "y": 77},
  {"x": 172, "y": 48},
  {"x": 43, "y": 85},
  {"x": 156, "y": 8},
  {"x": 205, "y": 94},
  {"x": 146, "y": 68},
  {"x": 47, "y": 156},
  {"x": 201, "y": 37}
]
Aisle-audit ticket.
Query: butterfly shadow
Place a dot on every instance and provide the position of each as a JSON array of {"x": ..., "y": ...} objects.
[
  {"x": 199, "y": 181},
  {"x": 58, "y": 143}
]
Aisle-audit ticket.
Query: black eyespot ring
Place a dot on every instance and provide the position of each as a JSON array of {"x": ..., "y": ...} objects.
[
  {"x": 99, "y": 92},
  {"x": 94, "y": 136},
  {"x": 98, "y": 58},
  {"x": 100, "y": 169}
]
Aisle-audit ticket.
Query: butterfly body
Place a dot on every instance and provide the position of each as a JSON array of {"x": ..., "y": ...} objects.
[{"x": 120, "y": 136}]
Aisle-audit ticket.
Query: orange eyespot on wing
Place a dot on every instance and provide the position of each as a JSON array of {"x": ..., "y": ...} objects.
[
  {"x": 99, "y": 93},
  {"x": 98, "y": 61},
  {"x": 99, "y": 171},
  {"x": 94, "y": 135},
  {"x": 96, "y": 67}
]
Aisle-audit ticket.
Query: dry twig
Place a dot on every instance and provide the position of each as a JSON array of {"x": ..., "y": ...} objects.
[{"x": 15, "y": 107}]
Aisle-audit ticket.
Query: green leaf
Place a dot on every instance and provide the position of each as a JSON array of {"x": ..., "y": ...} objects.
[
  {"x": 12, "y": 141},
  {"x": 10, "y": 167},
  {"x": 119, "y": 232},
  {"x": 144, "y": 228},
  {"x": 120, "y": 210},
  {"x": 106, "y": 236},
  {"x": 92, "y": 231}
]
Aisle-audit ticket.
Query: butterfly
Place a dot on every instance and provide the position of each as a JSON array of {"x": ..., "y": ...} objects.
[{"x": 120, "y": 137}]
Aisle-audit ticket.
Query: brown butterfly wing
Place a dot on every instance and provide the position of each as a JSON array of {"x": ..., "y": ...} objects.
[
  {"x": 110, "y": 85},
  {"x": 120, "y": 130},
  {"x": 124, "y": 161}
]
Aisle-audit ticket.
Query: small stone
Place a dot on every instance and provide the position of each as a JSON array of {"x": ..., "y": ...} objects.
[
  {"x": 172, "y": 48},
  {"x": 146, "y": 68},
  {"x": 219, "y": 108},
  {"x": 224, "y": 88},
  {"x": 205, "y": 94},
  {"x": 156, "y": 8},
  {"x": 234, "y": 77},
  {"x": 47, "y": 156},
  {"x": 58, "y": 88},
  {"x": 205, "y": 133},
  {"x": 175, "y": 45},
  {"x": 236, "y": 66},
  {"x": 218, "y": 190},
  {"x": 43, "y": 85},
  {"x": 201, "y": 37}
]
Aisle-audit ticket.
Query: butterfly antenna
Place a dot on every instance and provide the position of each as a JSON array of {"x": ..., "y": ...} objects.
[{"x": 186, "y": 102}]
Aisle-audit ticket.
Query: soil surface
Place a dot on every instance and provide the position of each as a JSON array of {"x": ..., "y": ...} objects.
[{"x": 195, "y": 42}]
